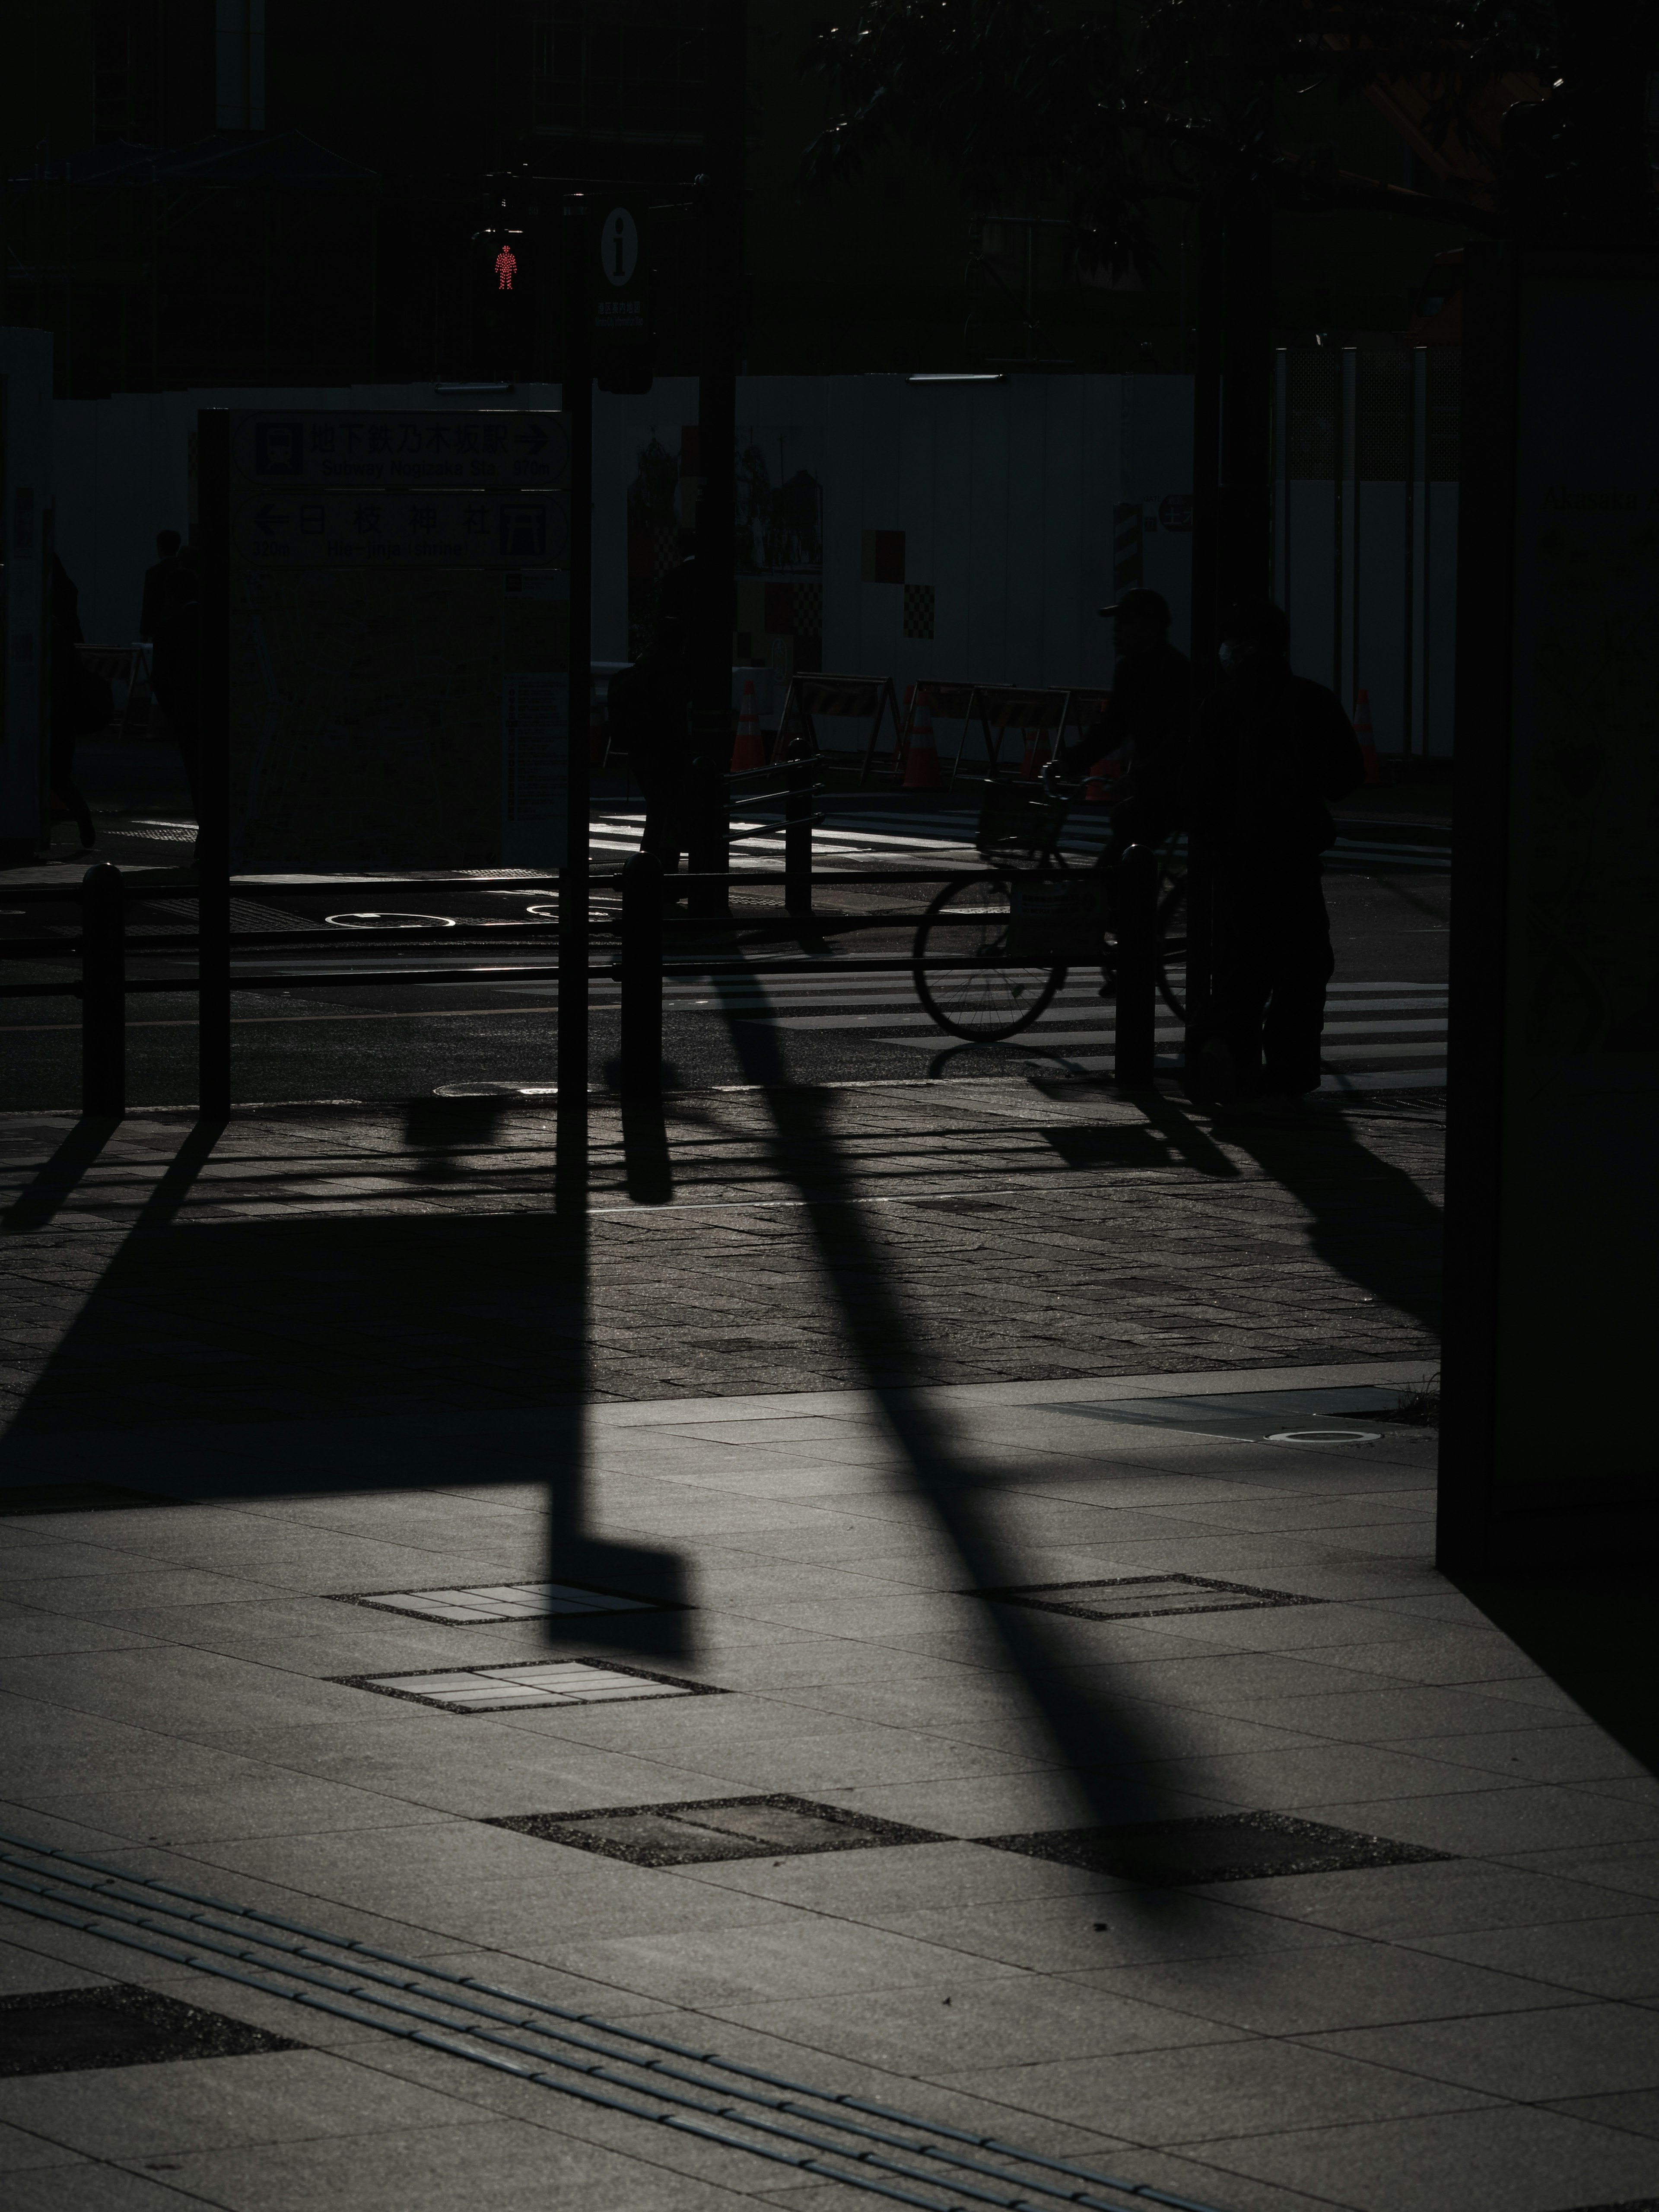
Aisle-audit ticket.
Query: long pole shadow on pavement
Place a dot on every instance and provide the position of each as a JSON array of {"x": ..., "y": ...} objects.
[
  {"x": 575, "y": 1555},
  {"x": 1103, "y": 1749},
  {"x": 36, "y": 1204}
]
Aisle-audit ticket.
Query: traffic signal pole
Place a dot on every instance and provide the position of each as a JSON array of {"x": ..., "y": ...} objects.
[
  {"x": 717, "y": 438},
  {"x": 578, "y": 402}
]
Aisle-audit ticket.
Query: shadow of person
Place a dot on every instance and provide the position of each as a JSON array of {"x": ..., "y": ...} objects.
[
  {"x": 439, "y": 1129},
  {"x": 1369, "y": 1219},
  {"x": 1107, "y": 1754}
]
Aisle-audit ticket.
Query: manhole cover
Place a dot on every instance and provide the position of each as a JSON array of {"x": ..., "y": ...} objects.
[
  {"x": 547, "y": 1682},
  {"x": 1132, "y": 1597},
  {"x": 719, "y": 1828},
  {"x": 501, "y": 1601},
  {"x": 495, "y": 1090},
  {"x": 1217, "y": 1847},
  {"x": 391, "y": 920},
  {"x": 1326, "y": 1437},
  {"x": 66, "y": 2031}
]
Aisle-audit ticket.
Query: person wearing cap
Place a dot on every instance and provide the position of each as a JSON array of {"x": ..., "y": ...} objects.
[
  {"x": 1269, "y": 751},
  {"x": 1148, "y": 717}
]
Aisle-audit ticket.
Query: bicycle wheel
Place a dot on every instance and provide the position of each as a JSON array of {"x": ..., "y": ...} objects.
[
  {"x": 1172, "y": 945},
  {"x": 993, "y": 997}
]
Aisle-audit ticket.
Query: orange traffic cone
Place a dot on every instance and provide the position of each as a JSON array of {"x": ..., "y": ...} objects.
[
  {"x": 749, "y": 750},
  {"x": 1362, "y": 729},
  {"x": 921, "y": 755},
  {"x": 1097, "y": 786}
]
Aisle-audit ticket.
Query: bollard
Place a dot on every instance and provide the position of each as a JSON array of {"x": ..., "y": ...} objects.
[
  {"x": 1136, "y": 910},
  {"x": 641, "y": 977},
  {"x": 103, "y": 993},
  {"x": 797, "y": 839}
]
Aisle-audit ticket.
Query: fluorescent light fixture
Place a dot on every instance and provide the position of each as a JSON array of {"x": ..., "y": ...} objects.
[{"x": 959, "y": 376}]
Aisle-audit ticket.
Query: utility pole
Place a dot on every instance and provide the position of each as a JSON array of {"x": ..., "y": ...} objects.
[
  {"x": 577, "y": 398},
  {"x": 1233, "y": 396},
  {"x": 726, "y": 57}
]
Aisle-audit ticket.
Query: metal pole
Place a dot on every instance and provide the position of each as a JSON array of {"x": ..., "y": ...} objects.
[
  {"x": 103, "y": 993},
  {"x": 1136, "y": 907},
  {"x": 725, "y": 61},
  {"x": 798, "y": 840},
  {"x": 213, "y": 766},
  {"x": 641, "y": 977},
  {"x": 578, "y": 401},
  {"x": 1201, "y": 946}
]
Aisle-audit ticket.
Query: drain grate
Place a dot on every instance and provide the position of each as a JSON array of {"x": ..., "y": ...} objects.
[
  {"x": 503, "y": 1601},
  {"x": 1216, "y": 1847},
  {"x": 1249, "y": 1416},
  {"x": 550, "y": 1682},
  {"x": 66, "y": 2031},
  {"x": 717, "y": 1828},
  {"x": 1133, "y": 1597},
  {"x": 75, "y": 1498}
]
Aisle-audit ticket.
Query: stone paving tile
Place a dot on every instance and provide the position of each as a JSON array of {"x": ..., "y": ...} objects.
[
  {"x": 87, "y": 2186},
  {"x": 1525, "y": 2161},
  {"x": 136, "y": 2112},
  {"x": 284, "y": 1171},
  {"x": 1352, "y": 1983},
  {"x": 511, "y": 2165},
  {"x": 1568, "y": 2050},
  {"x": 1182, "y": 2094},
  {"x": 825, "y": 1551}
]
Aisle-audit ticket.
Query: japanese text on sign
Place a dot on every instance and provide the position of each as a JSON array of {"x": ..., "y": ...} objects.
[{"x": 503, "y": 449}]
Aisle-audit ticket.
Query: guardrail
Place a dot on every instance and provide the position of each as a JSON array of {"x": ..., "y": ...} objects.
[{"x": 103, "y": 947}]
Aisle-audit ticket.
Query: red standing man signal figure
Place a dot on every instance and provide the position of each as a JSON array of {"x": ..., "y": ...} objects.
[{"x": 506, "y": 263}]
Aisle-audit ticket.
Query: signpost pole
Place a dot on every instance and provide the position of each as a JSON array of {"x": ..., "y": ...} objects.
[
  {"x": 578, "y": 402},
  {"x": 213, "y": 769},
  {"x": 724, "y": 63}
]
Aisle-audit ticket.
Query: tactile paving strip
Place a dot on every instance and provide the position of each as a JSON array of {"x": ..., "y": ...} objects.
[
  {"x": 1130, "y": 1598},
  {"x": 549, "y": 1682}
]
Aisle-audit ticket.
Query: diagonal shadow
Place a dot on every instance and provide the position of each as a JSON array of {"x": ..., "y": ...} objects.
[
  {"x": 424, "y": 1348},
  {"x": 1101, "y": 1746},
  {"x": 575, "y": 1554},
  {"x": 1368, "y": 1220},
  {"x": 35, "y": 1206},
  {"x": 179, "y": 1178}
]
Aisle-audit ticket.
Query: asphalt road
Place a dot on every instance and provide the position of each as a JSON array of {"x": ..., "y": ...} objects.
[{"x": 365, "y": 1040}]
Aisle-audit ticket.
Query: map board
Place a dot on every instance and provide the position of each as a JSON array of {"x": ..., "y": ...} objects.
[{"x": 399, "y": 641}]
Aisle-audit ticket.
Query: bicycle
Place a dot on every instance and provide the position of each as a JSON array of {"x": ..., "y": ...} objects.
[{"x": 1029, "y": 919}]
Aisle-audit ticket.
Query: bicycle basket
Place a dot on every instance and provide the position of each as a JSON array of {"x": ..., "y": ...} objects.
[
  {"x": 1019, "y": 818},
  {"x": 1055, "y": 918}
]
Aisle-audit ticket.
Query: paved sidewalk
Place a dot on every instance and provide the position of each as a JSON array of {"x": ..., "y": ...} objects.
[
  {"x": 1465, "y": 2018},
  {"x": 356, "y": 1263},
  {"x": 938, "y": 1481}
]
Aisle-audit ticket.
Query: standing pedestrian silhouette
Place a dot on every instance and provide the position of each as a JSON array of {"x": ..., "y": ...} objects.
[{"x": 1270, "y": 749}]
